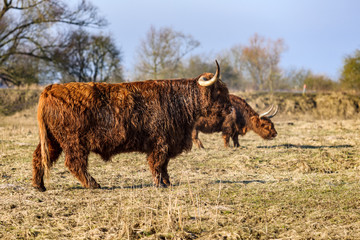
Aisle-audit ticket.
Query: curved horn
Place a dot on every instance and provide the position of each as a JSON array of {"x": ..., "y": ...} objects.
[
  {"x": 267, "y": 112},
  {"x": 275, "y": 112},
  {"x": 210, "y": 82}
]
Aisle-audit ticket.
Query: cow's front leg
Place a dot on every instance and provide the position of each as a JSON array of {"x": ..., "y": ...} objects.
[
  {"x": 195, "y": 138},
  {"x": 158, "y": 166},
  {"x": 235, "y": 139},
  {"x": 164, "y": 173}
]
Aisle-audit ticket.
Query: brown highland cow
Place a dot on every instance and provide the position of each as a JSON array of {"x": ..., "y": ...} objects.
[
  {"x": 155, "y": 117},
  {"x": 238, "y": 122}
]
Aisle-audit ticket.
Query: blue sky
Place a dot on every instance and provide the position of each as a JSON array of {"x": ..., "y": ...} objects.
[{"x": 317, "y": 33}]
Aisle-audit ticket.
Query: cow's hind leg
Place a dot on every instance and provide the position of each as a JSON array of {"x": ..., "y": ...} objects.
[
  {"x": 226, "y": 138},
  {"x": 158, "y": 166},
  {"x": 76, "y": 160},
  {"x": 38, "y": 168}
]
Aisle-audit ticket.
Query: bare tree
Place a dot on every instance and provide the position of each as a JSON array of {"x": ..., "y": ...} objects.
[
  {"x": 161, "y": 52},
  {"x": 236, "y": 67},
  {"x": 87, "y": 57},
  {"x": 295, "y": 78},
  {"x": 195, "y": 65},
  {"x": 28, "y": 27},
  {"x": 261, "y": 58}
]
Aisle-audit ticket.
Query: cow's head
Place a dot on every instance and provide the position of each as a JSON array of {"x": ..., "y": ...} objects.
[
  {"x": 214, "y": 94},
  {"x": 263, "y": 126}
]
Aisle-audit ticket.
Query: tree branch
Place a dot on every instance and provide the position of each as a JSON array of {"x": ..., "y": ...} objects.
[{"x": 25, "y": 8}]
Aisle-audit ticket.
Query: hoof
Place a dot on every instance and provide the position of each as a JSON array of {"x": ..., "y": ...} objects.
[
  {"x": 161, "y": 185},
  {"x": 164, "y": 184},
  {"x": 40, "y": 189},
  {"x": 198, "y": 144},
  {"x": 94, "y": 186}
]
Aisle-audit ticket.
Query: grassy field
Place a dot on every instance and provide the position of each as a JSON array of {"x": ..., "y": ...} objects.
[{"x": 305, "y": 184}]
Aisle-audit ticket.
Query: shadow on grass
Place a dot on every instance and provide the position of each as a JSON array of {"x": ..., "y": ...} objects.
[
  {"x": 289, "y": 145},
  {"x": 141, "y": 186},
  {"x": 243, "y": 182},
  {"x": 138, "y": 186}
]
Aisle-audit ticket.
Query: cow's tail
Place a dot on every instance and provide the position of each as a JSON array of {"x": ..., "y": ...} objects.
[{"x": 45, "y": 156}]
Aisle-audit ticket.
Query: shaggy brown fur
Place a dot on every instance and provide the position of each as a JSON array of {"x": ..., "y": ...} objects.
[
  {"x": 155, "y": 117},
  {"x": 238, "y": 122}
]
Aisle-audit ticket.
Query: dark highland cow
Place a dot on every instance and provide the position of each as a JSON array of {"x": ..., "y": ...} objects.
[
  {"x": 238, "y": 122},
  {"x": 155, "y": 117}
]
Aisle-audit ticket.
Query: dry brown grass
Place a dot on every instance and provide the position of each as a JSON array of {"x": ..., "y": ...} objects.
[{"x": 302, "y": 185}]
